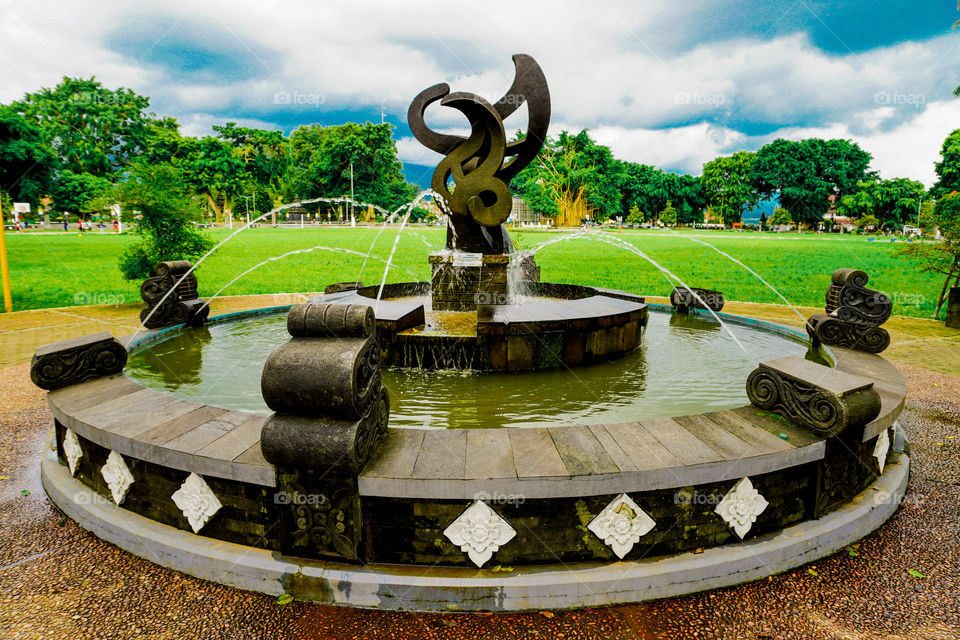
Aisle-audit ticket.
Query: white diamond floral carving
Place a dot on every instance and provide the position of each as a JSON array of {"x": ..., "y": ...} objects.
[
  {"x": 479, "y": 532},
  {"x": 117, "y": 475},
  {"x": 197, "y": 501},
  {"x": 882, "y": 448},
  {"x": 71, "y": 449},
  {"x": 620, "y": 524},
  {"x": 741, "y": 506}
]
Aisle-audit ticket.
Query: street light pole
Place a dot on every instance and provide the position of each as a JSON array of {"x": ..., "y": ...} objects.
[
  {"x": 4, "y": 267},
  {"x": 246, "y": 202}
]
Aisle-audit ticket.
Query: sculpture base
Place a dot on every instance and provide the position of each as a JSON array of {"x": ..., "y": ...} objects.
[
  {"x": 462, "y": 281},
  {"x": 834, "y": 332}
]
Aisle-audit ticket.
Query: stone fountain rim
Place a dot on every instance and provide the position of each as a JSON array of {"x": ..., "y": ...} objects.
[{"x": 446, "y": 589}]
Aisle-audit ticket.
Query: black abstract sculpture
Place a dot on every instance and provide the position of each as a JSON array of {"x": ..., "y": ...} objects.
[
  {"x": 479, "y": 165},
  {"x": 853, "y": 314},
  {"x": 182, "y": 306}
]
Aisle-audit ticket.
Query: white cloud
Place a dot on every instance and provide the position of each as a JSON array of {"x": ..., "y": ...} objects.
[
  {"x": 671, "y": 108},
  {"x": 200, "y": 124},
  {"x": 910, "y": 150}
]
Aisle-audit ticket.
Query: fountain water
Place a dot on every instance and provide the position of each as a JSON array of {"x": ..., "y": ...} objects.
[
  {"x": 752, "y": 272},
  {"x": 408, "y": 206},
  {"x": 342, "y": 250}
]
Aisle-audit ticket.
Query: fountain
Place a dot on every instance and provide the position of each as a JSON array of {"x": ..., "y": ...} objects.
[{"x": 485, "y": 440}]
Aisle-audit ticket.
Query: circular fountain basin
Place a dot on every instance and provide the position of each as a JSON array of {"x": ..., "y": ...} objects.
[
  {"x": 684, "y": 365},
  {"x": 548, "y": 483}
]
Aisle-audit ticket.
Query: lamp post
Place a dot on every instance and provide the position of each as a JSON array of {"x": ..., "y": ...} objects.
[
  {"x": 4, "y": 267},
  {"x": 246, "y": 202},
  {"x": 353, "y": 221}
]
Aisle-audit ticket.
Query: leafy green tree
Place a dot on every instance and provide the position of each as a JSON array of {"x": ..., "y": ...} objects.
[
  {"x": 669, "y": 215},
  {"x": 728, "y": 187},
  {"x": 572, "y": 173},
  {"x": 92, "y": 129},
  {"x": 805, "y": 174},
  {"x": 74, "y": 192},
  {"x": 635, "y": 216},
  {"x": 167, "y": 212},
  {"x": 893, "y": 202},
  {"x": 27, "y": 163},
  {"x": 320, "y": 160},
  {"x": 948, "y": 168},
  {"x": 867, "y": 221},
  {"x": 943, "y": 256},
  {"x": 266, "y": 158},
  {"x": 650, "y": 189},
  {"x": 637, "y": 184},
  {"x": 780, "y": 217},
  {"x": 926, "y": 219},
  {"x": 213, "y": 169}
]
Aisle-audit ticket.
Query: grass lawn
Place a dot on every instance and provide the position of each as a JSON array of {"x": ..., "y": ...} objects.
[{"x": 54, "y": 270}]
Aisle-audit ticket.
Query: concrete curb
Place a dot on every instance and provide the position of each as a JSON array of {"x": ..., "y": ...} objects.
[{"x": 450, "y": 589}]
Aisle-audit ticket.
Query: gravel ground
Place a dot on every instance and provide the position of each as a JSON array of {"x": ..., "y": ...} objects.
[{"x": 56, "y": 581}]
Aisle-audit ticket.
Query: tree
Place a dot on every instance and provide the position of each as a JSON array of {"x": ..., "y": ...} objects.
[
  {"x": 941, "y": 257},
  {"x": 320, "y": 160},
  {"x": 637, "y": 182},
  {"x": 214, "y": 170},
  {"x": 948, "y": 169},
  {"x": 867, "y": 222},
  {"x": 635, "y": 216},
  {"x": 669, "y": 215},
  {"x": 572, "y": 178},
  {"x": 266, "y": 158},
  {"x": 650, "y": 189},
  {"x": 27, "y": 163},
  {"x": 75, "y": 192},
  {"x": 893, "y": 202},
  {"x": 780, "y": 217},
  {"x": 728, "y": 187},
  {"x": 926, "y": 219},
  {"x": 92, "y": 129},
  {"x": 167, "y": 212},
  {"x": 805, "y": 174}
]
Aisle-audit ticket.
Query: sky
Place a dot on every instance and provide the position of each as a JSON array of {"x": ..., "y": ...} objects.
[{"x": 673, "y": 84}]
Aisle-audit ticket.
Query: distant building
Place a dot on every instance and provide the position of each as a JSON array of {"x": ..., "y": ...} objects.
[
  {"x": 522, "y": 213},
  {"x": 297, "y": 213},
  {"x": 840, "y": 224}
]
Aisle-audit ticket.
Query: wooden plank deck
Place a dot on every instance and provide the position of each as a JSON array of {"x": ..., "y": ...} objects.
[
  {"x": 561, "y": 461},
  {"x": 589, "y": 460},
  {"x": 121, "y": 415}
]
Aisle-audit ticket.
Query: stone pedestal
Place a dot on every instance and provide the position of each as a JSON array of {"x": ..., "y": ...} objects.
[
  {"x": 684, "y": 299},
  {"x": 853, "y": 314},
  {"x": 461, "y": 281},
  {"x": 331, "y": 410},
  {"x": 953, "y": 308}
]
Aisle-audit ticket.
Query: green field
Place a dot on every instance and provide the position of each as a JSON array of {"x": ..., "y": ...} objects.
[{"x": 55, "y": 270}]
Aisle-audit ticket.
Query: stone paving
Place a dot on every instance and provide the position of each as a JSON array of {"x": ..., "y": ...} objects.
[{"x": 57, "y": 581}]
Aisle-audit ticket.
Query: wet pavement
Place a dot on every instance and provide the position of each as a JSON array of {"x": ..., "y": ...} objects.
[{"x": 57, "y": 581}]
